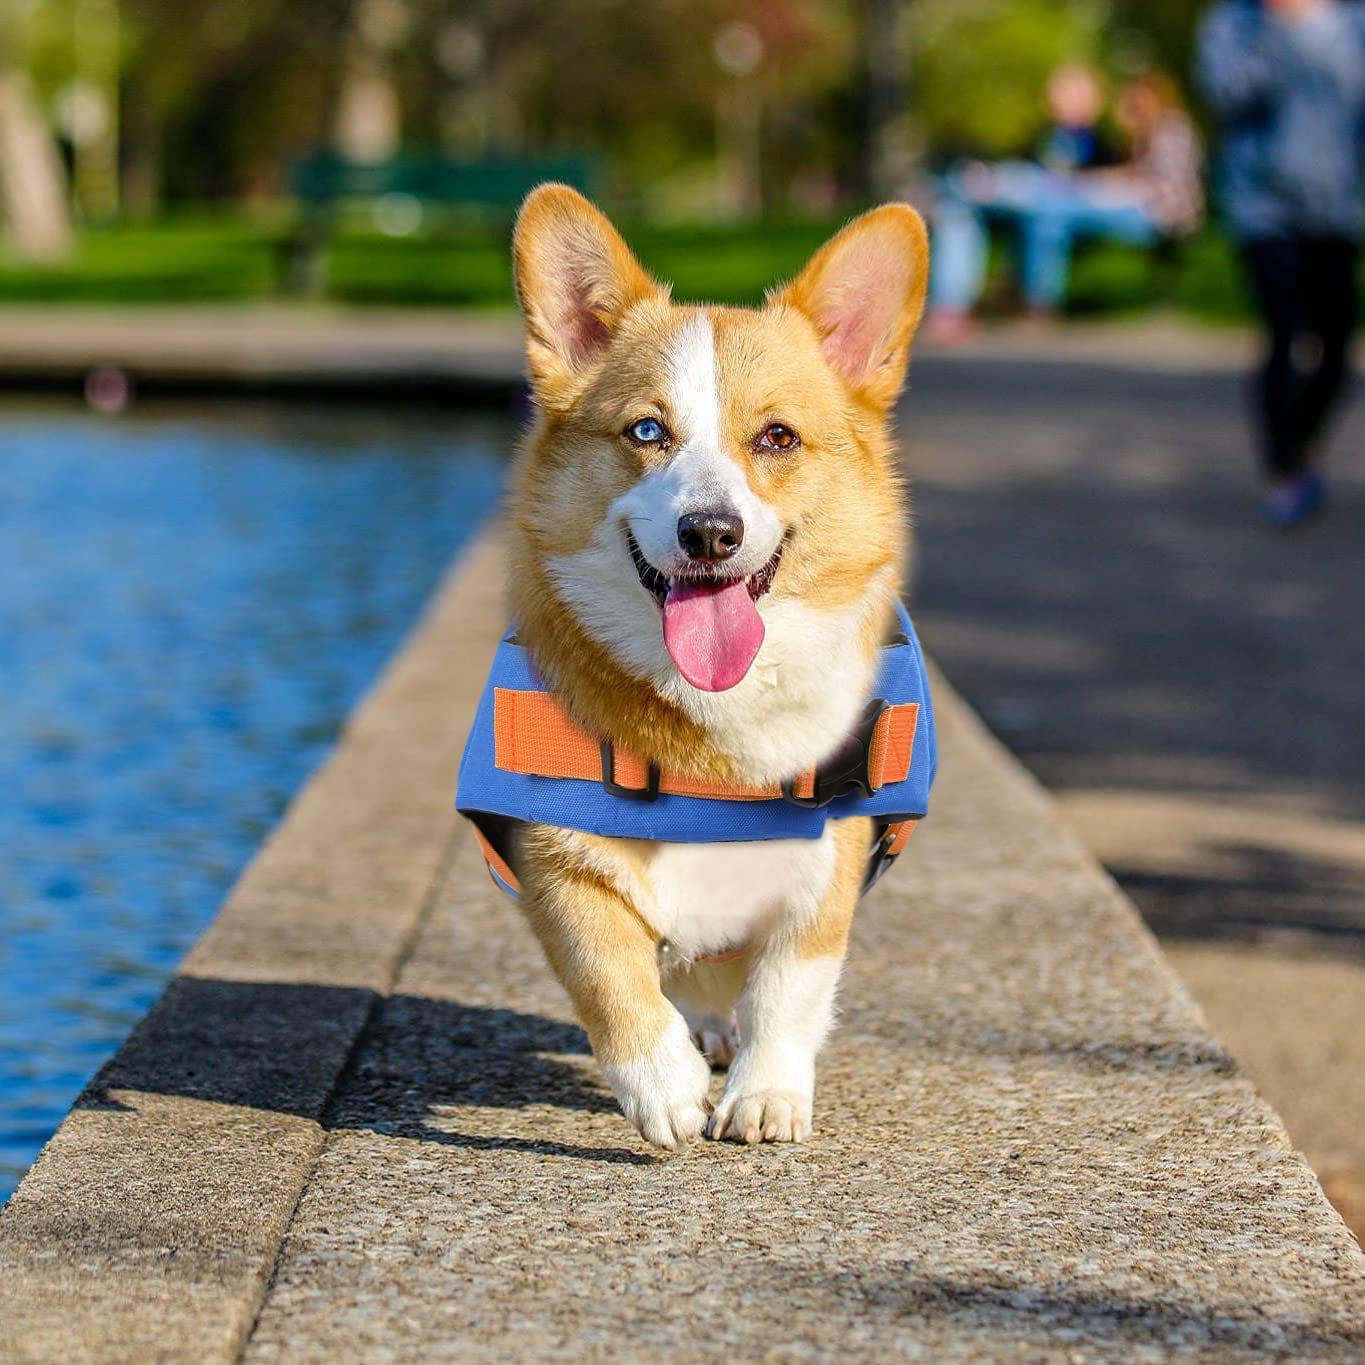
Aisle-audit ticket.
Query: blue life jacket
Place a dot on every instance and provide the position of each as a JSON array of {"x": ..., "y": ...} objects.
[{"x": 510, "y": 775}]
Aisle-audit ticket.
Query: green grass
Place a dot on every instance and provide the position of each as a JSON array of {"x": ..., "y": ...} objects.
[
  {"x": 469, "y": 267},
  {"x": 186, "y": 260},
  {"x": 1201, "y": 277},
  {"x": 222, "y": 258}
]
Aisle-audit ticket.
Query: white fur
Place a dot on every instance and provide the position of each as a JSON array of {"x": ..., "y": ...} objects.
[
  {"x": 783, "y": 1015},
  {"x": 810, "y": 679},
  {"x": 700, "y": 477},
  {"x": 708, "y": 898},
  {"x": 664, "y": 1093},
  {"x": 786, "y": 1004},
  {"x": 694, "y": 386},
  {"x": 785, "y": 1012},
  {"x": 803, "y": 694}
]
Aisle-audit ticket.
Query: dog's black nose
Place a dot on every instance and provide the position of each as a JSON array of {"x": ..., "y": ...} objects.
[{"x": 710, "y": 535}]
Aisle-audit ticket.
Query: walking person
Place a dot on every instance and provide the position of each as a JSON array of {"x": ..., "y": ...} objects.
[{"x": 1287, "y": 78}]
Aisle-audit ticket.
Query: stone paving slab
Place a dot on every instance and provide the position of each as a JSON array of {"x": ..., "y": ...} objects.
[
  {"x": 1094, "y": 576},
  {"x": 1029, "y": 1146}
]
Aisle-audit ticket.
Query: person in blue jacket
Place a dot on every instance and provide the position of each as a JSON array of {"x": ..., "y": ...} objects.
[{"x": 1287, "y": 80}]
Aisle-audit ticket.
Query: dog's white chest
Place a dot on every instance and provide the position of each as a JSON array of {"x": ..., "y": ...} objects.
[{"x": 711, "y": 897}]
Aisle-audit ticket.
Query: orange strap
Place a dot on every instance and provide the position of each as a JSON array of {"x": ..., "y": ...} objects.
[
  {"x": 893, "y": 743},
  {"x": 497, "y": 864},
  {"x": 897, "y": 836},
  {"x": 534, "y": 735}
]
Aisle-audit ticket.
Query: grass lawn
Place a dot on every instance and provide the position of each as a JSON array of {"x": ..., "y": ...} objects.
[{"x": 223, "y": 258}]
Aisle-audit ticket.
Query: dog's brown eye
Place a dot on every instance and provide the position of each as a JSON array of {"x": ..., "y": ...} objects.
[{"x": 778, "y": 437}]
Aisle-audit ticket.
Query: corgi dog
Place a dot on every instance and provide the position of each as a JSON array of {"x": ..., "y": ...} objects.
[{"x": 707, "y": 534}]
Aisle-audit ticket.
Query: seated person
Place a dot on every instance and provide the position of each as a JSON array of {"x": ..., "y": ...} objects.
[
  {"x": 1074, "y": 140},
  {"x": 1155, "y": 195}
]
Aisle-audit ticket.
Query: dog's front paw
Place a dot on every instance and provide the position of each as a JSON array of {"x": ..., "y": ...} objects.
[
  {"x": 762, "y": 1116},
  {"x": 664, "y": 1094}
]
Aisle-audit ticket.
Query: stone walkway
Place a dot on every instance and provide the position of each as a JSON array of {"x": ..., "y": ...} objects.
[
  {"x": 362, "y": 1124},
  {"x": 1094, "y": 577}
]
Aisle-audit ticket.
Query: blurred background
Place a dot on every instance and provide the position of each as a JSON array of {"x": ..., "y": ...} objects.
[
  {"x": 259, "y": 381},
  {"x": 181, "y": 151}
]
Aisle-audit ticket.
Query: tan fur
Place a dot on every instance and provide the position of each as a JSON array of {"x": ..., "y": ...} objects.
[
  {"x": 600, "y": 948},
  {"x": 826, "y": 357},
  {"x": 576, "y": 464},
  {"x": 826, "y": 935}
]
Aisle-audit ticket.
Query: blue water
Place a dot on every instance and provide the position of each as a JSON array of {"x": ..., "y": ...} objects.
[{"x": 190, "y": 601}]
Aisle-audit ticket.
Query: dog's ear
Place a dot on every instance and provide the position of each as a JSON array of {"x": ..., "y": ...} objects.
[
  {"x": 864, "y": 291},
  {"x": 576, "y": 279}
]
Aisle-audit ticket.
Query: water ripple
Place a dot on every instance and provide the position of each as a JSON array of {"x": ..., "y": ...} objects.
[{"x": 190, "y": 602}]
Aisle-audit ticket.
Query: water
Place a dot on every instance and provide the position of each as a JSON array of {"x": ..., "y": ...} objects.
[{"x": 190, "y": 602}]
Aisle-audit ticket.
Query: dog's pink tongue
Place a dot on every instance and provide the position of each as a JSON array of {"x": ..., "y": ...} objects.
[{"x": 712, "y": 631}]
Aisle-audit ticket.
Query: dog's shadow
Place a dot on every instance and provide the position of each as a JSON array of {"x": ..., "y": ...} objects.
[
  {"x": 419, "y": 1062},
  {"x": 425, "y": 1062}
]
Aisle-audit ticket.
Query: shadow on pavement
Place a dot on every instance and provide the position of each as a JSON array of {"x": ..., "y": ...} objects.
[
  {"x": 1092, "y": 574},
  {"x": 280, "y": 1046},
  {"x": 1093, "y": 1316}
]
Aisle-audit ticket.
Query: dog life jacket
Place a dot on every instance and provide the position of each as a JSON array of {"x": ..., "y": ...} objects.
[{"x": 527, "y": 761}]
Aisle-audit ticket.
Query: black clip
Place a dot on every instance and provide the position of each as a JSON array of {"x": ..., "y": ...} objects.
[
  {"x": 846, "y": 770},
  {"x": 649, "y": 792}
]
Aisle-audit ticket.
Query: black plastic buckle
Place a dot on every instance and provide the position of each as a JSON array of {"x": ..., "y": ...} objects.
[
  {"x": 846, "y": 771},
  {"x": 879, "y": 857},
  {"x": 649, "y": 792}
]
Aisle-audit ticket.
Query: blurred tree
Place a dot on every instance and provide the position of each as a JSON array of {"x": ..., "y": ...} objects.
[
  {"x": 1144, "y": 33},
  {"x": 657, "y": 91},
  {"x": 884, "y": 66},
  {"x": 89, "y": 107},
  {"x": 692, "y": 107},
  {"x": 219, "y": 94},
  {"x": 980, "y": 67},
  {"x": 33, "y": 192},
  {"x": 369, "y": 123}
]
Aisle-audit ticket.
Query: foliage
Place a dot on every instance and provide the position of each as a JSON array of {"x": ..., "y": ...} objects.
[
  {"x": 217, "y": 96},
  {"x": 1140, "y": 31},
  {"x": 981, "y": 66},
  {"x": 186, "y": 260},
  {"x": 228, "y": 258}
]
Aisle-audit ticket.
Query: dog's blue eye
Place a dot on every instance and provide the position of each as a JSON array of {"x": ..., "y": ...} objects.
[{"x": 647, "y": 432}]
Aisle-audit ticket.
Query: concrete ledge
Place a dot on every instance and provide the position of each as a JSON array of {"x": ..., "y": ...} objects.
[
  {"x": 149, "y": 1225},
  {"x": 362, "y": 1123},
  {"x": 264, "y": 347}
]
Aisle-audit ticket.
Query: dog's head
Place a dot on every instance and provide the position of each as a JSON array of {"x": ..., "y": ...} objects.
[{"x": 707, "y": 489}]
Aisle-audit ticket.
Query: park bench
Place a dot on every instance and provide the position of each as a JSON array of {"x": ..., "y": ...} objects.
[{"x": 401, "y": 191}]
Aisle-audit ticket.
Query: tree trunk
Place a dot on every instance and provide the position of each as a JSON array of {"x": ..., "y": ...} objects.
[
  {"x": 33, "y": 196},
  {"x": 369, "y": 114},
  {"x": 884, "y": 162},
  {"x": 97, "y": 147},
  {"x": 141, "y": 148}
]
